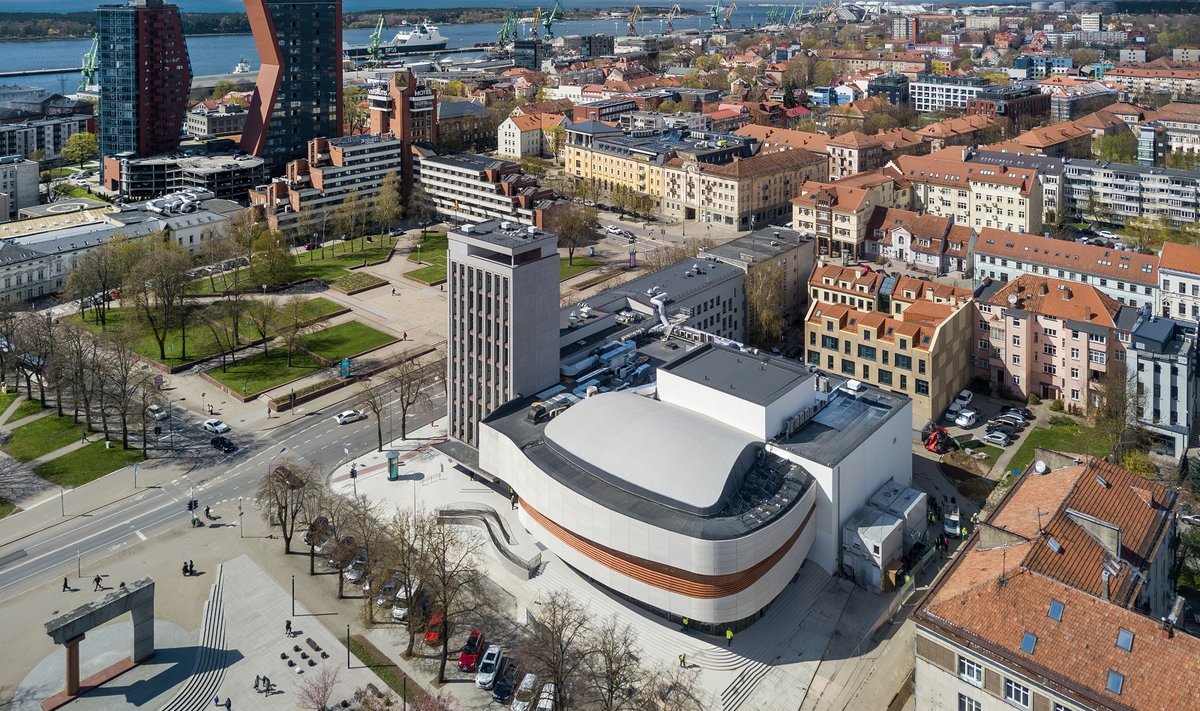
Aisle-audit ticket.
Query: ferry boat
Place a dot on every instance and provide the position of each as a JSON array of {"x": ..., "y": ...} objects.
[
  {"x": 421, "y": 37},
  {"x": 242, "y": 67}
]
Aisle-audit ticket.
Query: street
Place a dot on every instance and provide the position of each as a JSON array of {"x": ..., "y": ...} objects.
[{"x": 214, "y": 479}]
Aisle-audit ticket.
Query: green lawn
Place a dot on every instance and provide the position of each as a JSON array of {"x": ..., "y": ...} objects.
[
  {"x": 317, "y": 308},
  {"x": 428, "y": 275},
  {"x": 73, "y": 191},
  {"x": 432, "y": 251},
  {"x": 87, "y": 463},
  {"x": 350, "y": 281},
  {"x": 327, "y": 263},
  {"x": 28, "y": 442},
  {"x": 8, "y": 398},
  {"x": 1063, "y": 438},
  {"x": 579, "y": 266},
  {"x": 25, "y": 409},
  {"x": 258, "y": 373},
  {"x": 6, "y": 507},
  {"x": 200, "y": 341},
  {"x": 993, "y": 453}
]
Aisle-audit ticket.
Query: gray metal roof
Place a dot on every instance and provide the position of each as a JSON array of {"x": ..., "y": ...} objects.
[
  {"x": 760, "y": 245},
  {"x": 760, "y": 379},
  {"x": 1042, "y": 164},
  {"x": 662, "y": 452},
  {"x": 470, "y": 161},
  {"x": 844, "y": 424},
  {"x": 516, "y": 236}
]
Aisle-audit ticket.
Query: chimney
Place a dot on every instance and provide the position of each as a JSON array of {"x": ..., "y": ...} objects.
[
  {"x": 1067, "y": 294},
  {"x": 1105, "y": 593}
]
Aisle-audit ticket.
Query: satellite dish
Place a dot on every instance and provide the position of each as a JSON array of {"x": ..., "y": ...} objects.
[
  {"x": 1012, "y": 299},
  {"x": 1040, "y": 467}
]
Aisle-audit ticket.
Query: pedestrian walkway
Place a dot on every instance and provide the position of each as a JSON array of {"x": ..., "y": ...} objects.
[{"x": 769, "y": 667}]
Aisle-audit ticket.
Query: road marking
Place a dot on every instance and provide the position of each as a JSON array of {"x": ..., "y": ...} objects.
[{"x": 140, "y": 534}]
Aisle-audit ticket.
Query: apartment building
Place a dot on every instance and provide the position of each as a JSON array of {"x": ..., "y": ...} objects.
[
  {"x": 1049, "y": 337},
  {"x": 853, "y": 153},
  {"x": 974, "y": 195},
  {"x": 1186, "y": 53},
  {"x": 1149, "y": 80},
  {"x": 792, "y": 252},
  {"x": 1039, "y": 66},
  {"x": 930, "y": 243},
  {"x": 1061, "y": 600},
  {"x": 907, "y": 28},
  {"x": 1091, "y": 22},
  {"x": 1178, "y": 293},
  {"x": 502, "y": 338},
  {"x": 18, "y": 185},
  {"x": 891, "y": 86},
  {"x": 960, "y": 131},
  {"x": 529, "y": 135},
  {"x": 916, "y": 341},
  {"x": 473, "y": 188},
  {"x": 1182, "y": 124},
  {"x": 205, "y": 121},
  {"x": 1049, "y": 176},
  {"x": 852, "y": 287},
  {"x": 772, "y": 138},
  {"x": 48, "y": 135},
  {"x": 840, "y": 213},
  {"x": 1129, "y": 278},
  {"x": 743, "y": 193},
  {"x": 609, "y": 110},
  {"x": 1114, "y": 193},
  {"x": 1068, "y": 103},
  {"x": 1162, "y": 364},
  {"x": 931, "y": 93},
  {"x": 856, "y": 60},
  {"x": 1010, "y": 102},
  {"x": 225, "y": 176},
  {"x": 311, "y": 189},
  {"x": 1066, "y": 139}
]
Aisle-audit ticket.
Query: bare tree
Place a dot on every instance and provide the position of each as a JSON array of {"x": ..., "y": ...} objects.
[
  {"x": 411, "y": 383},
  {"x": 659, "y": 259},
  {"x": 323, "y": 511},
  {"x": 214, "y": 249},
  {"x": 558, "y": 642},
  {"x": 97, "y": 273},
  {"x": 362, "y": 520},
  {"x": 764, "y": 302},
  {"x": 613, "y": 671},
  {"x": 77, "y": 360},
  {"x": 292, "y": 327},
  {"x": 452, "y": 576},
  {"x": 221, "y": 317},
  {"x": 285, "y": 490},
  {"x": 126, "y": 381},
  {"x": 156, "y": 285},
  {"x": 575, "y": 227},
  {"x": 34, "y": 343},
  {"x": 8, "y": 325},
  {"x": 675, "y": 689},
  {"x": 388, "y": 205},
  {"x": 317, "y": 688},
  {"x": 263, "y": 314},
  {"x": 372, "y": 398},
  {"x": 406, "y": 534}
]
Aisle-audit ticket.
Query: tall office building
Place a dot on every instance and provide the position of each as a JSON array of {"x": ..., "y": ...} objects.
[
  {"x": 145, "y": 77},
  {"x": 298, "y": 96},
  {"x": 503, "y": 319}
]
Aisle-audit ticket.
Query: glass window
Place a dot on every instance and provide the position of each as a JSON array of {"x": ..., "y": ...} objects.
[
  {"x": 1016, "y": 694},
  {"x": 1125, "y": 639},
  {"x": 885, "y": 377},
  {"x": 847, "y": 366},
  {"x": 1056, "y": 611},
  {"x": 903, "y": 361},
  {"x": 922, "y": 387},
  {"x": 829, "y": 342},
  {"x": 866, "y": 352},
  {"x": 1116, "y": 681},
  {"x": 1028, "y": 642},
  {"x": 966, "y": 703},
  {"x": 970, "y": 671}
]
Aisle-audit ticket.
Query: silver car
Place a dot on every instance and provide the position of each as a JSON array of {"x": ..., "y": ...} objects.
[{"x": 489, "y": 666}]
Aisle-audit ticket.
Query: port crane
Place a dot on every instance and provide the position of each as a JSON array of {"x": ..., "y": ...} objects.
[
  {"x": 548, "y": 22},
  {"x": 376, "y": 40},
  {"x": 508, "y": 31},
  {"x": 89, "y": 64},
  {"x": 714, "y": 13},
  {"x": 675, "y": 10},
  {"x": 634, "y": 14},
  {"x": 729, "y": 14},
  {"x": 537, "y": 20}
]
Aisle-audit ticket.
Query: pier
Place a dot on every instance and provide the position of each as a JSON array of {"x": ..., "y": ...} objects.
[{"x": 33, "y": 72}]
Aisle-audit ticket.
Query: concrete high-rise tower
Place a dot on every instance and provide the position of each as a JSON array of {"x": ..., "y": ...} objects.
[
  {"x": 145, "y": 76},
  {"x": 298, "y": 96},
  {"x": 503, "y": 319}
]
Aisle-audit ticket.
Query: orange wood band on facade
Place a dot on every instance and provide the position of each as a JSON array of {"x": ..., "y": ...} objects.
[{"x": 666, "y": 577}]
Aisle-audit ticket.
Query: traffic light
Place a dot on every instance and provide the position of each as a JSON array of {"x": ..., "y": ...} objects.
[{"x": 193, "y": 504}]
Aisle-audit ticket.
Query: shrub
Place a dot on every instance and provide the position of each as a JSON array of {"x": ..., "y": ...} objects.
[
  {"x": 1060, "y": 421},
  {"x": 1056, "y": 405},
  {"x": 1033, "y": 399},
  {"x": 1194, "y": 474}
]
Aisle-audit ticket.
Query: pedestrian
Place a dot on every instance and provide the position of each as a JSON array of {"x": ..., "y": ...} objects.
[
  {"x": 207, "y": 512},
  {"x": 728, "y": 637},
  {"x": 393, "y": 291},
  {"x": 66, "y": 587},
  {"x": 97, "y": 583},
  {"x": 257, "y": 681},
  {"x": 185, "y": 562},
  {"x": 682, "y": 660},
  {"x": 84, "y": 436},
  {"x": 685, "y": 625},
  {"x": 228, "y": 703},
  {"x": 975, "y": 518},
  {"x": 287, "y": 628},
  {"x": 267, "y": 684},
  {"x": 191, "y": 568},
  {"x": 404, "y": 337},
  {"x": 965, "y": 532}
]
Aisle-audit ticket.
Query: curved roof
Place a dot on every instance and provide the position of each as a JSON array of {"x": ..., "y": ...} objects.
[{"x": 656, "y": 450}]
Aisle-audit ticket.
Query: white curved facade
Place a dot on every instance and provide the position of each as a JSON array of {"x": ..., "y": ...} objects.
[{"x": 712, "y": 581}]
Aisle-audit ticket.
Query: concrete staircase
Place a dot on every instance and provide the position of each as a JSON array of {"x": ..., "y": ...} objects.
[{"x": 211, "y": 660}]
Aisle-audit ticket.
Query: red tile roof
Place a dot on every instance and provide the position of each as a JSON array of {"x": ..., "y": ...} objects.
[
  {"x": 1073, "y": 302},
  {"x": 1180, "y": 257},
  {"x": 1045, "y": 251},
  {"x": 1002, "y": 585},
  {"x": 929, "y": 169}
]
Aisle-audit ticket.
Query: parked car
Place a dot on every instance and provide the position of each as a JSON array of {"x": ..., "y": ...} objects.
[
  {"x": 468, "y": 658},
  {"x": 526, "y": 693},
  {"x": 1011, "y": 420},
  {"x": 223, "y": 444},
  {"x": 997, "y": 438},
  {"x": 964, "y": 398},
  {"x": 1108, "y": 234},
  {"x": 347, "y": 416},
  {"x": 317, "y": 531},
  {"x": 216, "y": 426},
  {"x": 489, "y": 666},
  {"x": 1006, "y": 430},
  {"x": 400, "y": 608},
  {"x": 612, "y": 229},
  {"x": 155, "y": 412},
  {"x": 1192, "y": 519},
  {"x": 546, "y": 700},
  {"x": 1024, "y": 412},
  {"x": 433, "y": 633},
  {"x": 967, "y": 418},
  {"x": 952, "y": 412},
  {"x": 387, "y": 592},
  {"x": 505, "y": 680}
]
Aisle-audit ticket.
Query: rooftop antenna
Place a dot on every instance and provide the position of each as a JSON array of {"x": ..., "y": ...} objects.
[
  {"x": 1003, "y": 567},
  {"x": 1041, "y": 513}
]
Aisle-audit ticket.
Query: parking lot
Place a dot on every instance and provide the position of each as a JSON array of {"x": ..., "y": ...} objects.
[{"x": 986, "y": 411}]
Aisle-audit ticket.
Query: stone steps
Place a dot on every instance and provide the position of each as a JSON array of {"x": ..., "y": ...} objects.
[{"x": 209, "y": 670}]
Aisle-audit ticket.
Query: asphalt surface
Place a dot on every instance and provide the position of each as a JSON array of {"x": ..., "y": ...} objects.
[{"x": 203, "y": 473}]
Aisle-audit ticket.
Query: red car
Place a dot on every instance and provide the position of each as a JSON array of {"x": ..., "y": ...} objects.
[
  {"x": 468, "y": 658},
  {"x": 433, "y": 633}
]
